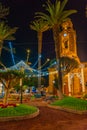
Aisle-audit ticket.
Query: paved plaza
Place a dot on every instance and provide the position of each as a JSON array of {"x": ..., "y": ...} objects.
[{"x": 48, "y": 119}]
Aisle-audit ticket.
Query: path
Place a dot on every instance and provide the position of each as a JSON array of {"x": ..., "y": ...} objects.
[{"x": 49, "y": 119}]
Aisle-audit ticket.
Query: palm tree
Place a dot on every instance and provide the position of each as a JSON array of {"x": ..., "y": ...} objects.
[
  {"x": 40, "y": 26},
  {"x": 54, "y": 16},
  {"x": 6, "y": 33},
  {"x": 4, "y": 11}
]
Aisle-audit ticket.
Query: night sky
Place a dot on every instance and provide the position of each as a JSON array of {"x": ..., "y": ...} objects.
[{"x": 22, "y": 13}]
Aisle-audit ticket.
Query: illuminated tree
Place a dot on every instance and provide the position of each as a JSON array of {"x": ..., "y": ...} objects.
[
  {"x": 54, "y": 15},
  {"x": 8, "y": 79},
  {"x": 67, "y": 65}
]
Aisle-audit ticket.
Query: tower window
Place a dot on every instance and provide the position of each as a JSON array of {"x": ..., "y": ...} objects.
[{"x": 66, "y": 44}]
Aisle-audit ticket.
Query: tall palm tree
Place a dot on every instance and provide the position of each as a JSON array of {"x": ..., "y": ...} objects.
[
  {"x": 4, "y": 11},
  {"x": 40, "y": 26},
  {"x": 55, "y": 15}
]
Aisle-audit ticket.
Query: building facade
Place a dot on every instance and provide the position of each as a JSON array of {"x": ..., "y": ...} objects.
[{"x": 75, "y": 82}]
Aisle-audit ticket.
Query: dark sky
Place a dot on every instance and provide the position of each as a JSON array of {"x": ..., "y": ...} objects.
[{"x": 22, "y": 13}]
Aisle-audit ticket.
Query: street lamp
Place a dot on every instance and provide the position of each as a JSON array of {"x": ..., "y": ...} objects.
[
  {"x": 28, "y": 53},
  {"x": 21, "y": 83}
]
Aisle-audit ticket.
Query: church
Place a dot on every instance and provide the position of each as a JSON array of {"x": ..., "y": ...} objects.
[{"x": 75, "y": 82}]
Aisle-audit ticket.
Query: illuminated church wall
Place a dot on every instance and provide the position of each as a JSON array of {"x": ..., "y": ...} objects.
[{"x": 74, "y": 83}]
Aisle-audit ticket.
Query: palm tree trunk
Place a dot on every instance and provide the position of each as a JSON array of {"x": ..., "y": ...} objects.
[
  {"x": 58, "y": 66},
  {"x": 39, "y": 57}
]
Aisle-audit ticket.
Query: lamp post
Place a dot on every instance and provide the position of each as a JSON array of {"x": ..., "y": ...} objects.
[
  {"x": 21, "y": 83},
  {"x": 21, "y": 90},
  {"x": 28, "y": 53}
]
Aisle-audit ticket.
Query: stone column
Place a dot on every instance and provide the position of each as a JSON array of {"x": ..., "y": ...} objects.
[
  {"x": 69, "y": 84},
  {"x": 82, "y": 75}
]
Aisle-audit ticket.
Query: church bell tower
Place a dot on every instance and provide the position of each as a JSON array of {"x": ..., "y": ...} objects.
[{"x": 68, "y": 40}]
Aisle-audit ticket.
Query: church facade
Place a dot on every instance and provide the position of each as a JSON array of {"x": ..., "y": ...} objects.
[{"x": 75, "y": 82}]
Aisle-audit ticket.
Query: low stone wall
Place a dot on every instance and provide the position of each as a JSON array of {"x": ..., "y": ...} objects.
[
  {"x": 20, "y": 117},
  {"x": 68, "y": 110}
]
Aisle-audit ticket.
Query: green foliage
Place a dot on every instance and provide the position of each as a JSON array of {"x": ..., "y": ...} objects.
[
  {"x": 55, "y": 13},
  {"x": 10, "y": 78},
  {"x": 20, "y": 110},
  {"x": 17, "y": 87},
  {"x": 6, "y": 33},
  {"x": 68, "y": 64},
  {"x": 39, "y": 25},
  {"x": 84, "y": 96},
  {"x": 11, "y": 74},
  {"x": 72, "y": 103},
  {"x": 4, "y": 11},
  {"x": 33, "y": 81},
  {"x": 26, "y": 81}
]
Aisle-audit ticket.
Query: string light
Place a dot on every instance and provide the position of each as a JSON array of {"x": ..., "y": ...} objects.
[
  {"x": 30, "y": 71},
  {"x": 10, "y": 45}
]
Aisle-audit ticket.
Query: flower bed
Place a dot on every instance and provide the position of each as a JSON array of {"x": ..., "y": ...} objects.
[{"x": 8, "y": 105}]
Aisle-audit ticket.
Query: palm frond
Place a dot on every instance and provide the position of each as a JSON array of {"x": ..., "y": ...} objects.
[
  {"x": 4, "y": 11},
  {"x": 10, "y": 32},
  {"x": 67, "y": 13},
  {"x": 57, "y": 8},
  {"x": 39, "y": 25},
  {"x": 45, "y": 17},
  {"x": 63, "y": 4}
]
